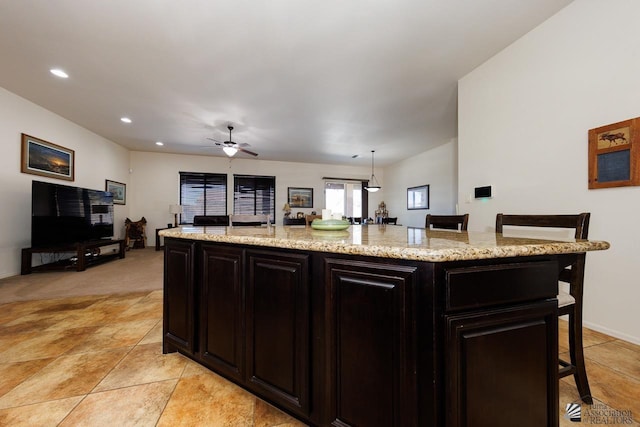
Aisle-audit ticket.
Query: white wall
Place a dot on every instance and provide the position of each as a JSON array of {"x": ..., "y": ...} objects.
[
  {"x": 155, "y": 182},
  {"x": 96, "y": 159},
  {"x": 523, "y": 122},
  {"x": 151, "y": 178},
  {"x": 438, "y": 168}
]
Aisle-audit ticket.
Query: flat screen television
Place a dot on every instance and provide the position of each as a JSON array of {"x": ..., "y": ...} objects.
[{"x": 63, "y": 215}]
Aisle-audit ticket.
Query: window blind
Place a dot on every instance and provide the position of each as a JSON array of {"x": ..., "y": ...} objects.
[
  {"x": 202, "y": 194},
  {"x": 254, "y": 195}
]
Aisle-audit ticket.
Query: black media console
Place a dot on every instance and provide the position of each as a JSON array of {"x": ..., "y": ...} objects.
[{"x": 87, "y": 254}]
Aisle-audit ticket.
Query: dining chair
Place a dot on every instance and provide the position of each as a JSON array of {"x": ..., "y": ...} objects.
[
  {"x": 204, "y": 220},
  {"x": 447, "y": 222},
  {"x": 248, "y": 220},
  {"x": 569, "y": 303}
]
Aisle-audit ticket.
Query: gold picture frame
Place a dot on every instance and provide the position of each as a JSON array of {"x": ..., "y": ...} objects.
[{"x": 44, "y": 158}]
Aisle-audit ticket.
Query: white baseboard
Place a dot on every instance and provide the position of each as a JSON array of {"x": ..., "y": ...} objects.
[{"x": 611, "y": 332}]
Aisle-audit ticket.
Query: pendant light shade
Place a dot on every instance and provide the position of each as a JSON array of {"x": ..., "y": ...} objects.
[{"x": 373, "y": 185}]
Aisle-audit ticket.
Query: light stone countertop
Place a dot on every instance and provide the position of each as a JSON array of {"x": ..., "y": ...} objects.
[{"x": 388, "y": 241}]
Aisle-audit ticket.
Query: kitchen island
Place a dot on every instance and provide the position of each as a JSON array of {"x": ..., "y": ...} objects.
[{"x": 375, "y": 325}]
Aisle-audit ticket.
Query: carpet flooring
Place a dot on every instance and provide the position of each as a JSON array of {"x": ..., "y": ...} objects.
[{"x": 140, "y": 270}]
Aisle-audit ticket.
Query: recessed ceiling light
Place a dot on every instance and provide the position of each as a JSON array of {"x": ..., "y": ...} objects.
[
  {"x": 125, "y": 119},
  {"x": 159, "y": 143},
  {"x": 59, "y": 73}
]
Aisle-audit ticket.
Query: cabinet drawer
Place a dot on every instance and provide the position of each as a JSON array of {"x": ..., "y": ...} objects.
[{"x": 494, "y": 285}]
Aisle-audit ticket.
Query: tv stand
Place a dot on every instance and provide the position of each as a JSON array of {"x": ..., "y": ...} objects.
[{"x": 81, "y": 260}]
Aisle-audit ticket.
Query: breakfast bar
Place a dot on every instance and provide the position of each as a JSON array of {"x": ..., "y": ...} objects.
[{"x": 375, "y": 325}]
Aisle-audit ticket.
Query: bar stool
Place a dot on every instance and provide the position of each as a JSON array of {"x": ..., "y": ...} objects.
[
  {"x": 448, "y": 222},
  {"x": 568, "y": 303}
]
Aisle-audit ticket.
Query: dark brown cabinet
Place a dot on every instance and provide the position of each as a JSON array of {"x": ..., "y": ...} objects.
[
  {"x": 501, "y": 335},
  {"x": 179, "y": 297},
  {"x": 277, "y": 328},
  {"x": 250, "y": 310},
  {"x": 345, "y": 340},
  {"x": 370, "y": 341},
  {"x": 500, "y": 367},
  {"x": 222, "y": 314}
]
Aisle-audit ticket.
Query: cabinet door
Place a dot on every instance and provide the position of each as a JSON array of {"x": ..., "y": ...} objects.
[
  {"x": 179, "y": 288},
  {"x": 502, "y": 367},
  {"x": 371, "y": 344},
  {"x": 221, "y": 336},
  {"x": 278, "y": 322}
]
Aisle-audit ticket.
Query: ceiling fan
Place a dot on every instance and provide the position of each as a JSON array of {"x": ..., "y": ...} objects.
[{"x": 230, "y": 148}]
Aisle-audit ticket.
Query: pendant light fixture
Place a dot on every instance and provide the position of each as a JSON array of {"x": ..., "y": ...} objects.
[{"x": 373, "y": 185}]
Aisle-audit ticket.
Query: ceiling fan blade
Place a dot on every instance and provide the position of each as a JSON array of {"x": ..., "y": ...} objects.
[
  {"x": 247, "y": 151},
  {"x": 215, "y": 140}
]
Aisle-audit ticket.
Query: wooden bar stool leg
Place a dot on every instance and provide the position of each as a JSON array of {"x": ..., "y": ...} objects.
[{"x": 577, "y": 357}]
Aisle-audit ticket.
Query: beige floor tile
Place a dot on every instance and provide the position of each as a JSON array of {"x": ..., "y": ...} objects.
[
  {"x": 265, "y": 415},
  {"x": 139, "y": 405},
  {"x": 12, "y": 374},
  {"x": 144, "y": 364},
  {"x": 614, "y": 388},
  {"x": 616, "y": 356},
  {"x": 67, "y": 305},
  {"x": 67, "y": 376},
  {"x": 44, "y": 344},
  {"x": 30, "y": 322},
  {"x": 115, "y": 335},
  {"x": 208, "y": 400},
  {"x": 111, "y": 308},
  {"x": 43, "y": 414},
  {"x": 149, "y": 307},
  {"x": 629, "y": 345},
  {"x": 193, "y": 369},
  {"x": 154, "y": 335}
]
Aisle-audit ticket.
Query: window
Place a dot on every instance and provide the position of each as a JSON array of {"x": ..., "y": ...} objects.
[
  {"x": 202, "y": 194},
  {"x": 344, "y": 197},
  {"x": 254, "y": 195}
]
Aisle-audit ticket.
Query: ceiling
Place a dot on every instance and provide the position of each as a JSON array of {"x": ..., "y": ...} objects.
[{"x": 315, "y": 81}]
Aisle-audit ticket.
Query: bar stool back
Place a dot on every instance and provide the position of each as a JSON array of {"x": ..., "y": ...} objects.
[
  {"x": 447, "y": 222},
  {"x": 568, "y": 303}
]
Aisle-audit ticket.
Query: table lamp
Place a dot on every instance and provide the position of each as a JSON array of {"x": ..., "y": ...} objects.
[{"x": 175, "y": 210}]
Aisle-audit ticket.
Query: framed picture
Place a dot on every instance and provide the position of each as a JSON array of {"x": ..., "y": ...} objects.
[
  {"x": 300, "y": 197},
  {"x": 119, "y": 191},
  {"x": 44, "y": 158},
  {"x": 614, "y": 155},
  {"x": 418, "y": 197}
]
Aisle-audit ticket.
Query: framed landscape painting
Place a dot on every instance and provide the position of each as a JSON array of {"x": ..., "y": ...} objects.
[
  {"x": 119, "y": 191},
  {"x": 44, "y": 158},
  {"x": 300, "y": 197}
]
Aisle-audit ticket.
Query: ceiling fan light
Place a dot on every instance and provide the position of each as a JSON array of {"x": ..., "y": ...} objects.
[{"x": 230, "y": 151}]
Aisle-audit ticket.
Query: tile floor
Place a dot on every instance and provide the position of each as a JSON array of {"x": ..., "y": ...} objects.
[{"x": 97, "y": 361}]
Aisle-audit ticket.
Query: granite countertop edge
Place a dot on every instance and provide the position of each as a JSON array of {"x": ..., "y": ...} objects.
[{"x": 416, "y": 253}]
